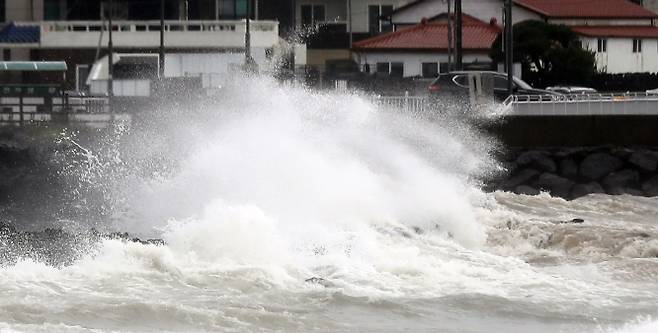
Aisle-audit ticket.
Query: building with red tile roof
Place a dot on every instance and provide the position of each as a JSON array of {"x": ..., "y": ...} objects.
[{"x": 422, "y": 49}]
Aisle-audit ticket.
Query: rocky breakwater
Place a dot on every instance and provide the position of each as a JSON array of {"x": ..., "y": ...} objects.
[{"x": 573, "y": 173}]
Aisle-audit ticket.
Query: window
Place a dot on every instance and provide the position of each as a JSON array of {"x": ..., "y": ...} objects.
[
  {"x": 375, "y": 23},
  {"x": 602, "y": 45},
  {"x": 81, "y": 74},
  {"x": 6, "y": 54},
  {"x": 500, "y": 82},
  {"x": 444, "y": 67},
  {"x": 312, "y": 14},
  {"x": 382, "y": 67},
  {"x": 393, "y": 69},
  {"x": 2, "y": 10},
  {"x": 397, "y": 69},
  {"x": 430, "y": 69},
  {"x": 637, "y": 45},
  {"x": 461, "y": 80},
  {"x": 51, "y": 10}
]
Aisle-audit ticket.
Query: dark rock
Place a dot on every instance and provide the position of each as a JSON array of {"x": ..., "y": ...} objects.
[
  {"x": 574, "y": 221},
  {"x": 520, "y": 178},
  {"x": 525, "y": 189},
  {"x": 319, "y": 280},
  {"x": 156, "y": 242},
  {"x": 597, "y": 165},
  {"x": 625, "y": 190},
  {"x": 580, "y": 190},
  {"x": 650, "y": 187},
  {"x": 623, "y": 153},
  {"x": 556, "y": 185},
  {"x": 644, "y": 160},
  {"x": 568, "y": 168},
  {"x": 622, "y": 179},
  {"x": 538, "y": 160}
]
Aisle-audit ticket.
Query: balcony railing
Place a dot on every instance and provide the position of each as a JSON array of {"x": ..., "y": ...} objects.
[{"x": 145, "y": 34}]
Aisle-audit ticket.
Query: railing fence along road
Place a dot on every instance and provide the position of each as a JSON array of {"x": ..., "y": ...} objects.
[
  {"x": 550, "y": 105},
  {"x": 20, "y": 110},
  {"x": 583, "y": 105}
]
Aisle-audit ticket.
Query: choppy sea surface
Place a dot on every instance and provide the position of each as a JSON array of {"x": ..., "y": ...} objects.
[{"x": 293, "y": 211}]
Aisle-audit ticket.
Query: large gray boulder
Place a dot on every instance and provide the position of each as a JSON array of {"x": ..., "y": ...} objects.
[
  {"x": 522, "y": 177},
  {"x": 538, "y": 160},
  {"x": 525, "y": 189},
  {"x": 597, "y": 165},
  {"x": 644, "y": 160},
  {"x": 650, "y": 187},
  {"x": 581, "y": 190},
  {"x": 619, "y": 181},
  {"x": 556, "y": 185},
  {"x": 568, "y": 168}
]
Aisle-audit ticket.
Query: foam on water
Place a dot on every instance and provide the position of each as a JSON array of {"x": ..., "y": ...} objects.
[{"x": 276, "y": 184}]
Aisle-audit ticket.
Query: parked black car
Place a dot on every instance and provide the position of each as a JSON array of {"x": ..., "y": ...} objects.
[{"x": 456, "y": 84}]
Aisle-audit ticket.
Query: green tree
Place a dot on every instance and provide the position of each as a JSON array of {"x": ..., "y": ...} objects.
[{"x": 549, "y": 54}]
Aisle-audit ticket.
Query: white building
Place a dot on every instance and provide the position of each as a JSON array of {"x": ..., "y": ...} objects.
[
  {"x": 623, "y": 34},
  {"x": 41, "y": 30}
]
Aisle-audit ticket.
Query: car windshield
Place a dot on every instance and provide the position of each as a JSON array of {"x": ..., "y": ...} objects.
[{"x": 521, "y": 84}]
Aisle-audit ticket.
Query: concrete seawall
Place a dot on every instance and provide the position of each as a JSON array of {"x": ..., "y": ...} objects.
[{"x": 576, "y": 131}]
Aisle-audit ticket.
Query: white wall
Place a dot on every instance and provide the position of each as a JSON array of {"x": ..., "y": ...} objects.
[
  {"x": 213, "y": 68},
  {"x": 481, "y": 9},
  {"x": 412, "y": 61},
  {"x": 600, "y": 22},
  {"x": 620, "y": 58}
]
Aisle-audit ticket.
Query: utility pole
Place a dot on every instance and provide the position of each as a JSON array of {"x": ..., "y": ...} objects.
[
  {"x": 349, "y": 21},
  {"x": 509, "y": 35},
  {"x": 161, "y": 59},
  {"x": 458, "y": 35},
  {"x": 450, "y": 32},
  {"x": 110, "y": 63},
  {"x": 249, "y": 63}
]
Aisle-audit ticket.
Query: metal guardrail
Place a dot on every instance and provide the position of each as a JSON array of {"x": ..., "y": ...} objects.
[
  {"x": 152, "y": 25},
  {"x": 407, "y": 103},
  {"x": 583, "y": 104},
  {"x": 23, "y": 109}
]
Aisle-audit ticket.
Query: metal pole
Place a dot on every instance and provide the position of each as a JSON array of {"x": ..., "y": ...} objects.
[
  {"x": 110, "y": 64},
  {"x": 509, "y": 60},
  {"x": 349, "y": 21},
  {"x": 458, "y": 35},
  {"x": 450, "y": 32},
  {"x": 247, "y": 36},
  {"x": 162, "y": 50}
]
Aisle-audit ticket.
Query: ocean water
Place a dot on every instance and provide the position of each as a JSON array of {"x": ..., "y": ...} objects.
[{"x": 287, "y": 210}]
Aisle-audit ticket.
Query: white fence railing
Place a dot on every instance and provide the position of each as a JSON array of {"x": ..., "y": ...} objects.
[
  {"x": 583, "y": 104},
  {"x": 407, "y": 103},
  {"x": 182, "y": 34}
]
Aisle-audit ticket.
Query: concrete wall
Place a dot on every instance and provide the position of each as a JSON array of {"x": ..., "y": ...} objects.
[
  {"x": 412, "y": 62},
  {"x": 24, "y": 10},
  {"x": 620, "y": 58},
  {"x": 652, "y": 5},
  {"x": 551, "y": 131},
  {"x": 318, "y": 57},
  {"x": 600, "y": 22}
]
